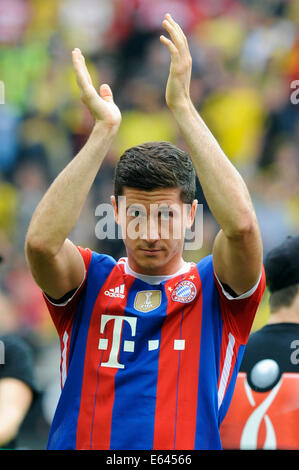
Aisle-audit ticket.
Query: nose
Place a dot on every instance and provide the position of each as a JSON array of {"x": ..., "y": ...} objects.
[{"x": 153, "y": 230}]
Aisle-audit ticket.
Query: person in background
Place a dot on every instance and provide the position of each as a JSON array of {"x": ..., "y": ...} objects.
[
  {"x": 264, "y": 411},
  {"x": 18, "y": 390},
  {"x": 17, "y": 387},
  {"x": 278, "y": 339}
]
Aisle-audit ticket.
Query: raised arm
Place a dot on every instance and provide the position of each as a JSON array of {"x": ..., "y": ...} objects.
[
  {"x": 55, "y": 262},
  {"x": 237, "y": 250}
]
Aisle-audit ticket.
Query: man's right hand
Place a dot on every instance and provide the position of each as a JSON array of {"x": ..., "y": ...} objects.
[
  {"x": 54, "y": 261},
  {"x": 100, "y": 105}
]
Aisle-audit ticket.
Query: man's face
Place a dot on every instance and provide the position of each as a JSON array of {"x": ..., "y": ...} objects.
[{"x": 153, "y": 225}]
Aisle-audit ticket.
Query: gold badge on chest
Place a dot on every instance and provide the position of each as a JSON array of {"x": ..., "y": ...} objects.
[{"x": 147, "y": 300}]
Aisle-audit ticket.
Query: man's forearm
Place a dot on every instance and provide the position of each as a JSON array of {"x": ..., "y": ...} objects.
[
  {"x": 223, "y": 187},
  {"x": 60, "y": 208}
]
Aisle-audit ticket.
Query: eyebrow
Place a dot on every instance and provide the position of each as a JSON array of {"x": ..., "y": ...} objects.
[
  {"x": 159, "y": 207},
  {"x": 135, "y": 205},
  {"x": 163, "y": 207}
]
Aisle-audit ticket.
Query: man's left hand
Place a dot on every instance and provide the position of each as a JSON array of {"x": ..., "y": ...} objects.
[{"x": 178, "y": 85}]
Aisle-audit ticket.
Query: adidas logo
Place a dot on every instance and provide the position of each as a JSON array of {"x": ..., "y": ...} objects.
[{"x": 116, "y": 292}]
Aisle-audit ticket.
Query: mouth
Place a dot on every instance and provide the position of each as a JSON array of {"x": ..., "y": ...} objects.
[{"x": 150, "y": 252}]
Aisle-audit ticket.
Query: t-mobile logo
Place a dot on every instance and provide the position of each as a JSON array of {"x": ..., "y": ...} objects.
[{"x": 129, "y": 346}]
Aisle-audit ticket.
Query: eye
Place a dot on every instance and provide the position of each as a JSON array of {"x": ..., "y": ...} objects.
[{"x": 134, "y": 212}]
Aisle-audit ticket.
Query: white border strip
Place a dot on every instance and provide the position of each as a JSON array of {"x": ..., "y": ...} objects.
[
  {"x": 155, "y": 280},
  {"x": 63, "y": 355},
  {"x": 242, "y": 296},
  {"x": 226, "y": 369},
  {"x": 68, "y": 300}
]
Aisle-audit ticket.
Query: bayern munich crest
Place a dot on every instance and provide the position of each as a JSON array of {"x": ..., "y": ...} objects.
[{"x": 184, "y": 292}]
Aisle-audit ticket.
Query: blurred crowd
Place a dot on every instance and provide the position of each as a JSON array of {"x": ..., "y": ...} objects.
[{"x": 245, "y": 59}]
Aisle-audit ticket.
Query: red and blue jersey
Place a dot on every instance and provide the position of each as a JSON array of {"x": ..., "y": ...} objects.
[{"x": 148, "y": 362}]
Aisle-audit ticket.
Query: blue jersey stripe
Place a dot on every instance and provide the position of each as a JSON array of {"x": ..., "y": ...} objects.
[
  {"x": 207, "y": 434},
  {"x": 97, "y": 387},
  {"x": 63, "y": 431},
  {"x": 136, "y": 384}
]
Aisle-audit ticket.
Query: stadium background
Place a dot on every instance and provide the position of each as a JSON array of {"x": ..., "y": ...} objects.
[{"x": 245, "y": 56}]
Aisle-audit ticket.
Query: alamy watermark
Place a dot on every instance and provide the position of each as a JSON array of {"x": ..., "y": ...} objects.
[
  {"x": 159, "y": 221},
  {"x": 294, "y": 358},
  {"x": 2, "y": 353},
  {"x": 2, "y": 92},
  {"x": 295, "y": 94}
]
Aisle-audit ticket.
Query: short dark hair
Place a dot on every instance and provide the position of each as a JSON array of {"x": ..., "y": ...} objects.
[
  {"x": 156, "y": 165},
  {"x": 282, "y": 264},
  {"x": 283, "y": 297}
]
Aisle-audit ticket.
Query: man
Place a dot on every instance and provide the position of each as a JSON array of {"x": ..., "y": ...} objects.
[
  {"x": 17, "y": 388},
  {"x": 279, "y": 338},
  {"x": 264, "y": 412},
  {"x": 150, "y": 345}
]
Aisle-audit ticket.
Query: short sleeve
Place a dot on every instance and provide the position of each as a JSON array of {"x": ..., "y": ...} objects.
[
  {"x": 62, "y": 313},
  {"x": 238, "y": 313}
]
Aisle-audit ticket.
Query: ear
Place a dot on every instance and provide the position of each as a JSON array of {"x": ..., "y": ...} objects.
[
  {"x": 116, "y": 213},
  {"x": 191, "y": 215}
]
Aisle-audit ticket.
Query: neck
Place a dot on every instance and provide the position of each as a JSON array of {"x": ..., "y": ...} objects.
[
  {"x": 285, "y": 315},
  {"x": 165, "y": 270}
]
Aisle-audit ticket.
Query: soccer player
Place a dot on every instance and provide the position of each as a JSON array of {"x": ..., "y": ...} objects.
[
  {"x": 277, "y": 339},
  {"x": 264, "y": 414},
  {"x": 150, "y": 344},
  {"x": 18, "y": 391}
]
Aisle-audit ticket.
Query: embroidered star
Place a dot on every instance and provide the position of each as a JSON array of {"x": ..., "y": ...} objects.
[
  {"x": 192, "y": 277},
  {"x": 170, "y": 289}
]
